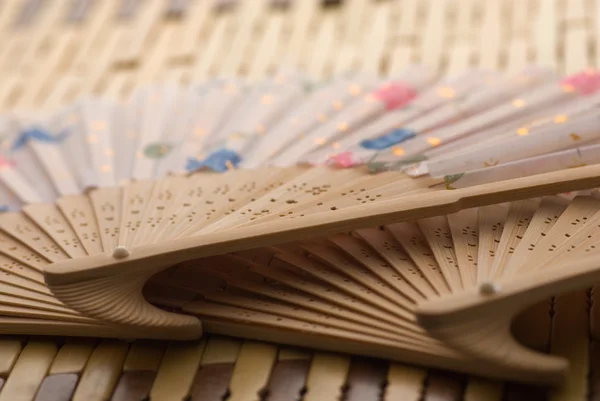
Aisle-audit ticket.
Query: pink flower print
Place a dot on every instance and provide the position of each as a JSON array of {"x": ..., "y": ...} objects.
[
  {"x": 343, "y": 159},
  {"x": 586, "y": 82},
  {"x": 6, "y": 163},
  {"x": 394, "y": 95}
]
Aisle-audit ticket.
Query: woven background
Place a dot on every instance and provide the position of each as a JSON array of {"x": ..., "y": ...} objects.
[{"x": 54, "y": 50}]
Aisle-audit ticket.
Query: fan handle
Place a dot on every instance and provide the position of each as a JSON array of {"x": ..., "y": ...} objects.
[
  {"x": 478, "y": 322},
  {"x": 119, "y": 300}
]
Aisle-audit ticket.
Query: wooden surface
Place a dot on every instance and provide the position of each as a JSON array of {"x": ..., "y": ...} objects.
[{"x": 51, "y": 54}]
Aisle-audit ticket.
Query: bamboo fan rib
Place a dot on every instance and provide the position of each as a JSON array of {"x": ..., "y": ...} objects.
[{"x": 320, "y": 216}]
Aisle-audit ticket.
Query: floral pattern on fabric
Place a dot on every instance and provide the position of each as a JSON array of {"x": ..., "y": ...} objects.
[
  {"x": 395, "y": 95},
  {"x": 219, "y": 161},
  {"x": 451, "y": 179},
  {"x": 586, "y": 82},
  {"x": 385, "y": 141},
  {"x": 36, "y": 134},
  {"x": 157, "y": 150}
]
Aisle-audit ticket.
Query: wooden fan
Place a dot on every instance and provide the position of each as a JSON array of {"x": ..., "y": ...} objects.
[
  {"x": 98, "y": 244},
  {"x": 440, "y": 291}
]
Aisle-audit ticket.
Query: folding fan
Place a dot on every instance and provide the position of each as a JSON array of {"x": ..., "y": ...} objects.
[{"x": 105, "y": 195}]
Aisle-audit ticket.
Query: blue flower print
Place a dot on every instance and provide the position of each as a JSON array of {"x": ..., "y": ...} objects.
[{"x": 385, "y": 141}]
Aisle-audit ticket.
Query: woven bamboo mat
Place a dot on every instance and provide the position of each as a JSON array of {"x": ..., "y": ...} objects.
[{"x": 52, "y": 51}]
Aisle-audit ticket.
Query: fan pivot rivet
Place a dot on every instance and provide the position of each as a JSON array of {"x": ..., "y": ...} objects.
[
  {"x": 488, "y": 288},
  {"x": 120, "y": 252}
]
